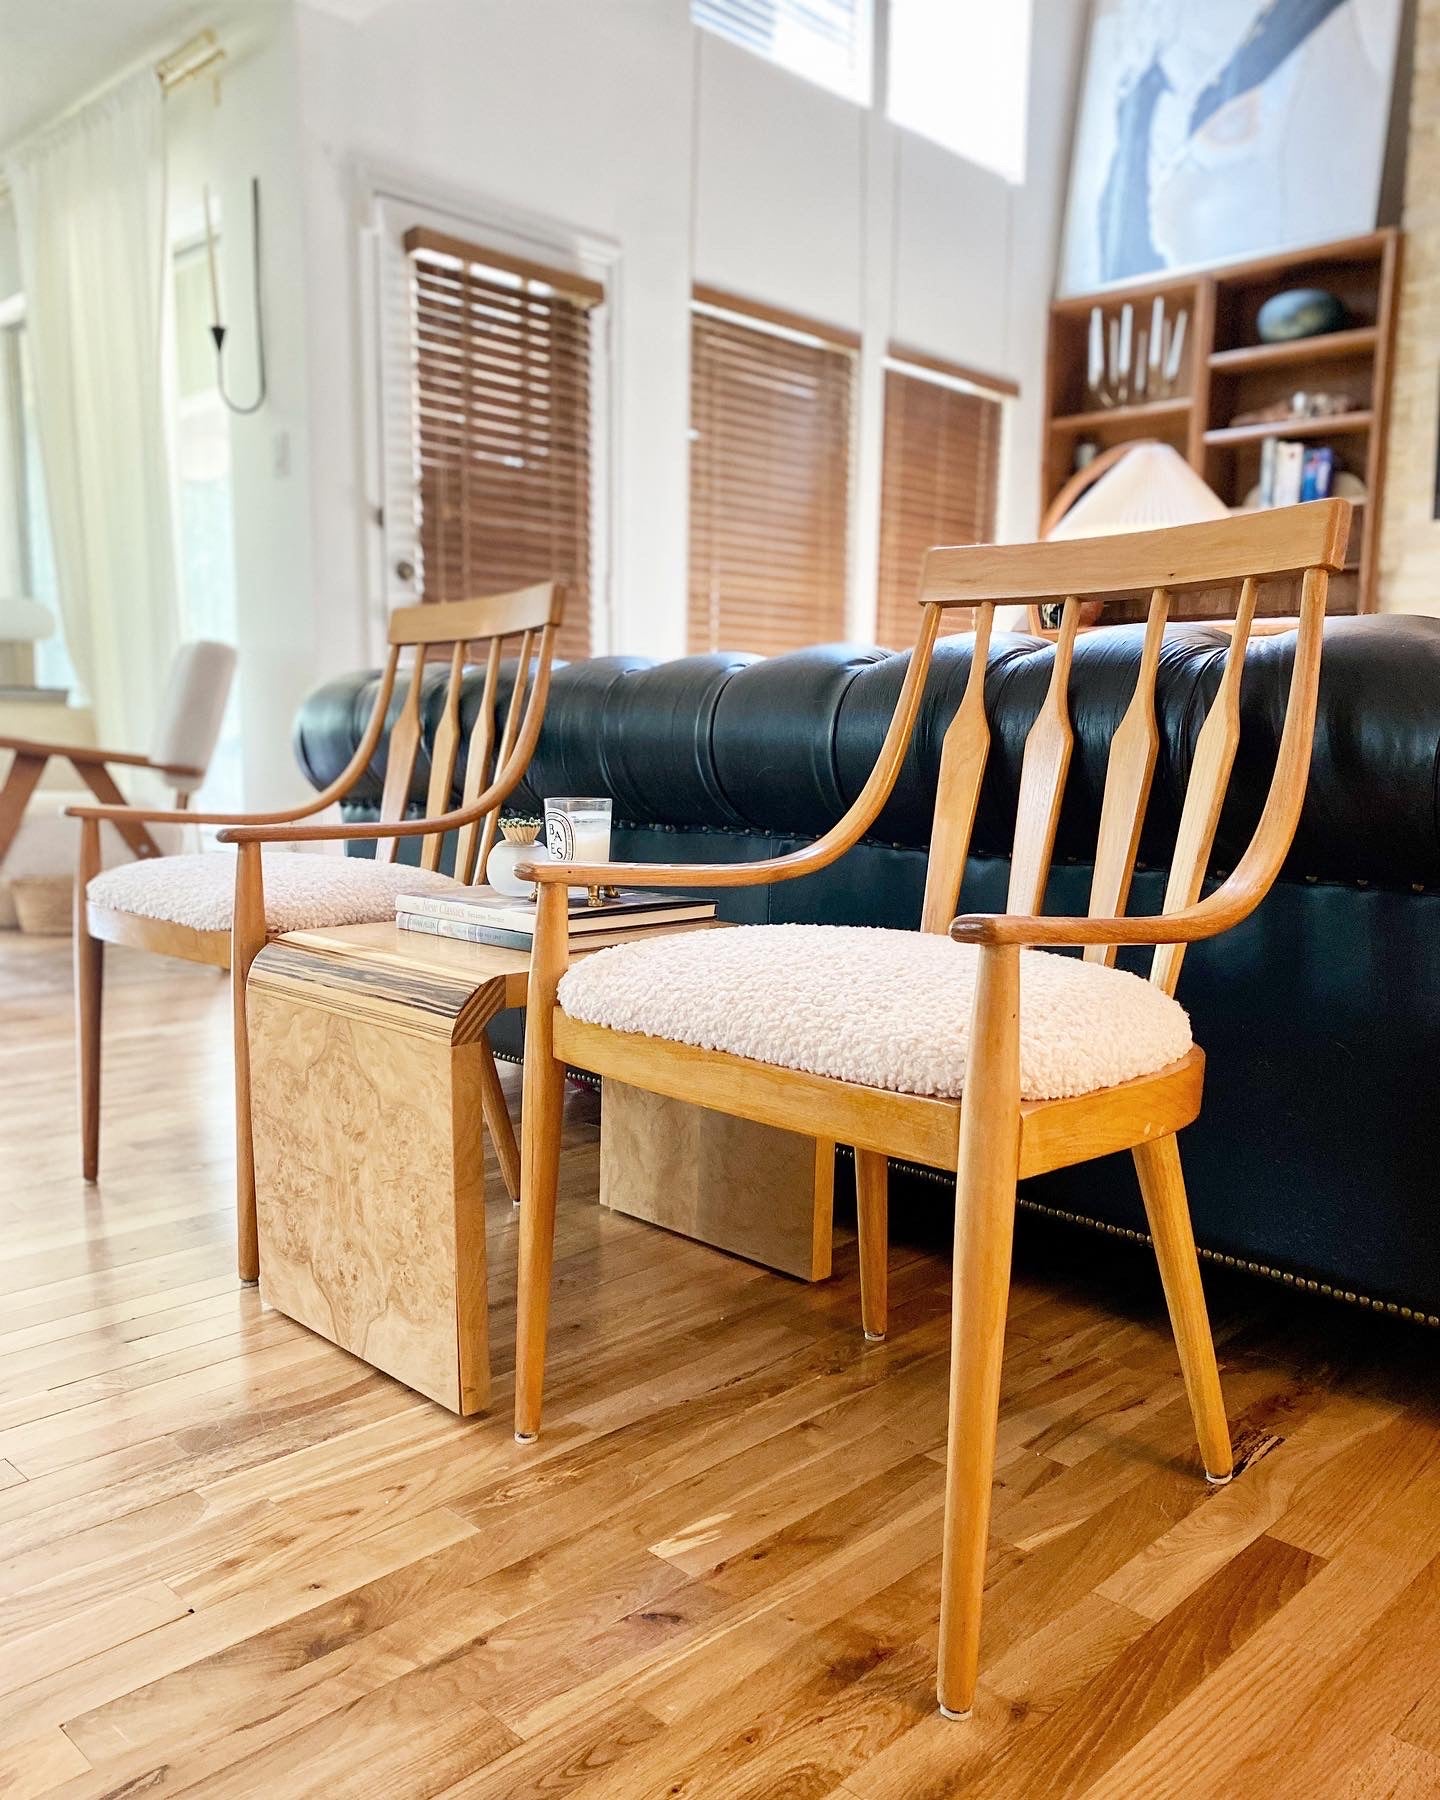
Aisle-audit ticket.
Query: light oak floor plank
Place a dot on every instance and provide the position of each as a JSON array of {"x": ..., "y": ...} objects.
[{"x": 233, "y": 1560}]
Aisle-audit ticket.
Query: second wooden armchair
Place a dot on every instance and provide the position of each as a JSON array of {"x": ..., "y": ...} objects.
[
  {"x": 961, "y": 1046},
  {"x": 220, "y": 910}
]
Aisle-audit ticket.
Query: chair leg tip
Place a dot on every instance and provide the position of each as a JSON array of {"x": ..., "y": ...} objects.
[
  {"x": 526, "y": 1437},
  {"x": 874, "y": 1337},
  {"x": 947, "y": 1712},
  {"x": 1219, "y": 1480}
]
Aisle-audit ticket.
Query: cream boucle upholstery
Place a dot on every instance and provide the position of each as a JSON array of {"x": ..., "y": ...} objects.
[
  {"x": 301, "y": 891},
  {"x": 890, "y": 1009}
]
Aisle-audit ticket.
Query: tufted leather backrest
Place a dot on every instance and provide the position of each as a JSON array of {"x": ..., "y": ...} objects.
[{"x": 781, "y": 747}]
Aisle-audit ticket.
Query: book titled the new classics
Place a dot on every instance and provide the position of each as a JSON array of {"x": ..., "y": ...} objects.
[
  {"x": 468, "y": 932},
  {"x": 482, "y": 909}
]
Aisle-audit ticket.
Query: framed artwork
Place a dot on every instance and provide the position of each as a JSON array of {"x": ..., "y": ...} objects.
[{"x": 1216, "y": 129}]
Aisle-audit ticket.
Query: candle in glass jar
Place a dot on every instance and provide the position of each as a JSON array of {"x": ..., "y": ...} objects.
[{"x": 578, "y": 830}]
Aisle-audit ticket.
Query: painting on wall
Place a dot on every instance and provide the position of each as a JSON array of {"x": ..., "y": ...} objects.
[{"x": 1216, "y": 129}]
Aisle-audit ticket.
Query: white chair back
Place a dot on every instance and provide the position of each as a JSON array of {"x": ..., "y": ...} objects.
[{"x": 191, "y": 711}]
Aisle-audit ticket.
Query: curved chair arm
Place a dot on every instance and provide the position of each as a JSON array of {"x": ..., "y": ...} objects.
[
  {"x": 495, "y": 795},
  {"x": 92, "y": 753},
  {"x": 499, "y": 791},
  {"x": 847, "y": 831},
  {"x": 338, "y": 788},
  {"x": 163, "y": 815},
  {"x": 1227, "y": 906}
]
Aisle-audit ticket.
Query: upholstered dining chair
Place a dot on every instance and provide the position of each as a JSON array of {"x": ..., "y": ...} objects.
[
  {"x": 219, "y": 909},
  {"x": 192, "y": 708},
  {"x": 966, "y": 1045}
]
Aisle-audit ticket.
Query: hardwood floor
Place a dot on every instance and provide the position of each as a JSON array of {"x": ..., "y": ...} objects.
[{"x": 234, "y": 1562}]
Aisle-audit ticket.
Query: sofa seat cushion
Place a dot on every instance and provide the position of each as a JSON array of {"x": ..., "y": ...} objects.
[
  {"x": 302, "y": 891},
  {"x": 888, "y": 1009}
]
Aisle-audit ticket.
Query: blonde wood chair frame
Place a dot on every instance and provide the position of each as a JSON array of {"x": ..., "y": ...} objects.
[
  {"x": 494, "y": 765},
  {"x": 992, "y": 1138},
  {"x": 27, "y": 766}
]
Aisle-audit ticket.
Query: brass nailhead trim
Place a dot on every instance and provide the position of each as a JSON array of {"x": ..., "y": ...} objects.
[{"x": 1284, "y": 1276}]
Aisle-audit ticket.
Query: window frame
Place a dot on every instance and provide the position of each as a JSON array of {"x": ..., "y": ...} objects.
[
  {"x": 746, "y": 314},
  {"x": 391, "y": 204},
  {"x": 860, "y": 91},
  {"x": 915, "y": 365}
]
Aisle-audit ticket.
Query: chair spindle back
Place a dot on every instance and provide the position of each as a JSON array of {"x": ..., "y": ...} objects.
[
  {"x": 533, "y": 616},
  {"x": 1304, "y": 542}
]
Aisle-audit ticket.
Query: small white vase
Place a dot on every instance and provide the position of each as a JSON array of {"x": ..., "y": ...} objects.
[{"x": 501, "y": 865}]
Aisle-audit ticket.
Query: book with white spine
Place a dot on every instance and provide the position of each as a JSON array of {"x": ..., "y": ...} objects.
[
  {"x": 469, "y": 931},
  {"x": 627, "y": 907}
]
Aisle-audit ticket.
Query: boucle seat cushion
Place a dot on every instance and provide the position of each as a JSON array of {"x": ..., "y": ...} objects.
[
  {"x": 889, "y": 1009},
  {"x": 302, "y": 891}
]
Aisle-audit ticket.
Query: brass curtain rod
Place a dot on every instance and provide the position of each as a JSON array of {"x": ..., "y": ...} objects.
[{"x": 199, "y": 55}]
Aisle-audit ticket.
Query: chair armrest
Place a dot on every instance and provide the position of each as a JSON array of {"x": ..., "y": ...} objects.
[
  {"x": 251, "y": 832},
  {"x": 667, "y": 875},
  {"x": 161, "y": 815},
  {"x": 834, "y": 843},
  {"x": 281, "y": 833},
  {"x": 77, "y": 753},
  {"x": 1232, "y": 901}
]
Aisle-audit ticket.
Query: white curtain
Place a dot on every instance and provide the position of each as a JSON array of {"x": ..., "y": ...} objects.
[{"x": 90, "y": 205}]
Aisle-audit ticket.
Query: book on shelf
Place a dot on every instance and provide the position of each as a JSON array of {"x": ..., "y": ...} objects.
[
  {"x": 1291, "y": 471},
  {"x": 1318, "y": 473},
  {"x": 624, "y": 909},
  {"x": 474, "y": 931},
  {"x": 1289, "y": 466}
]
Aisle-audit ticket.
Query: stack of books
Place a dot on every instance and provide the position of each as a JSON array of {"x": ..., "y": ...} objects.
[
  {"x": 1291, "y": 472},
  {"x": 478, "y": 915}
]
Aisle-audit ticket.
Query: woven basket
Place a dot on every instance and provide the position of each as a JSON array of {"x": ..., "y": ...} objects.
[{"x": 43, "y": 904}]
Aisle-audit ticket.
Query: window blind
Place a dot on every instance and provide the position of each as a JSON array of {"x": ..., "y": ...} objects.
[
  {"x": 826, "y": 41},
  {"x": 502, "y": 426},
  {"x": 939, "y": 480},
  {"x": 769, "y": 488}
]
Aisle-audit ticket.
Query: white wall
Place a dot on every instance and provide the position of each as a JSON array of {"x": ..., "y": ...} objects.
[
  {"x": 697, "y": 161},
  {"x": 289, "y": 633},
  {"x": 558, "y": 112},
  {"x": 612, "y": 122},
  {"x": 825, "y": 208}
]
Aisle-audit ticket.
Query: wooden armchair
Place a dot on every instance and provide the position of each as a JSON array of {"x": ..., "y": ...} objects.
[
  {"x": 191, "y": 710},
  {"x": 216, "y": 909},
  {"x": 962, "y": 1053}
]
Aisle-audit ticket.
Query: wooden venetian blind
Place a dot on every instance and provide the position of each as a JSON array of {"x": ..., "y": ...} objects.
[
  {"x": 502, "y": 407},
  {"x": 938, "y": 486},
  {"x": 769, "y": 488}
]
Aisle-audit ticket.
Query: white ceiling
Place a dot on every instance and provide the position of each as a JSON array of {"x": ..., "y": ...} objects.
[{"x": 57, "y": 51}]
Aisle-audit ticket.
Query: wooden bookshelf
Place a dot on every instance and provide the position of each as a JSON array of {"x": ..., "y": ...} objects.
[{"x": 1226, "y": 371}]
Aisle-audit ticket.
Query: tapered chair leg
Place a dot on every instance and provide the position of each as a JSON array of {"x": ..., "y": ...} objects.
[
  {"x": 984, "y": 1228},
  {"x": 542, "y": 1106},
  {"x": 497, "y": 1121},
  {"x": 89, "y": 994},
  {"x": 248, "y": 939},
  {"x": 1162, "y": 1186},
  {"x": 872, "y": 1177}
]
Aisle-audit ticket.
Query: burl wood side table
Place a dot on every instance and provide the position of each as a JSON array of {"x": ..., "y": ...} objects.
[
  {"x": 366, "y": 1071},
  {"x": 369, "y": 1157}
]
